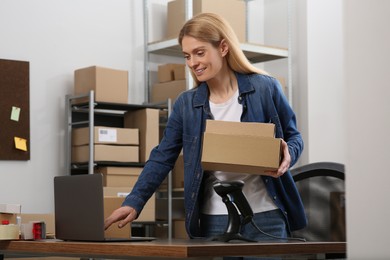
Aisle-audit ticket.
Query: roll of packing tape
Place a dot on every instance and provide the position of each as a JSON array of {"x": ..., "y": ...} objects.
[{"x": 9, "y": 232}]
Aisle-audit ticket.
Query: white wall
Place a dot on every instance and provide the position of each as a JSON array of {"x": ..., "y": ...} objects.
[
  {"x": 366, "y": 55},
  {"x": 57, "y": 37},
  {"x": 317, "y": 78}
]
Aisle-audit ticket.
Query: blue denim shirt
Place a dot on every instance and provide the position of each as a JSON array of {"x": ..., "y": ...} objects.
[{"x": 263, "y": 101}]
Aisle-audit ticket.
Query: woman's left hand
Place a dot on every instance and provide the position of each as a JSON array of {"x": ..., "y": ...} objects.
[{"x": 285, "y": 163}]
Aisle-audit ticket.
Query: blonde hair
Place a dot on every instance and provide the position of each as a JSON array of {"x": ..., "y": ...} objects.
[{"x": 212, "y": 28}]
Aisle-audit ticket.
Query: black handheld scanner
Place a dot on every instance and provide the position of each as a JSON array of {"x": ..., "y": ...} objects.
[{"x": 233, "y": 190}]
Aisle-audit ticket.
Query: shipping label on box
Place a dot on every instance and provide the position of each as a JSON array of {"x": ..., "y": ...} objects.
[{"x": 239, "y": 152}]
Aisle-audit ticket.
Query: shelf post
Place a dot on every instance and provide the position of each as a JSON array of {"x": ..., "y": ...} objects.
[{"x": 91, "y": 123}]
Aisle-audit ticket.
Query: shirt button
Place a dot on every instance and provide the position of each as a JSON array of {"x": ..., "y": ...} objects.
[
  {"x": 266, "y": 180},
  {"x": 193, "y": 195},
  {"x": 274, "y": 197}
]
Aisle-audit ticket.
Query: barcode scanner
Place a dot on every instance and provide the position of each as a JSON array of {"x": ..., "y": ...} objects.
[{"x": 232, "y": 196}]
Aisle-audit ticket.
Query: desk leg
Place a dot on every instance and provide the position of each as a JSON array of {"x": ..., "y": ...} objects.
[{"x": 1, "y": 257}]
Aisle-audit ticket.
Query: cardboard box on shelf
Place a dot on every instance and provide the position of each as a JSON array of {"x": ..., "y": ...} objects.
[
  {"x": 119, "y": 176},
  {"x": 117, "y": 195},
  {"x": 147, "y": 121},
  {"x": 162, "y": 91},
  {"x": 179, "y": 72},
  {"x": 232, "y": 10},
  {"x": 106, "y": 135},
  {"x": 166, "y": 72},
  {"x": 241, "y": 150},
  {"x": 110, "y": 85},
  {"x": 105, "y": 152},
  {"x": 111, "y": 204}
]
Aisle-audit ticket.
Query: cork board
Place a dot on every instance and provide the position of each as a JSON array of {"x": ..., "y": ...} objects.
[{"x": 14, "y": 110}]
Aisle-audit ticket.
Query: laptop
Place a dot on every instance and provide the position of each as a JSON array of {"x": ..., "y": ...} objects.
[{"x": 79, "y": 209}]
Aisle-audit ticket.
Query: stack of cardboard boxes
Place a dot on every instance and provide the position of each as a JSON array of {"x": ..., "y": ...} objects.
[
  {"x": 232, "y": 10},
  {"x": 130, "y": 144},
  {"x": 171, "y": 82}
]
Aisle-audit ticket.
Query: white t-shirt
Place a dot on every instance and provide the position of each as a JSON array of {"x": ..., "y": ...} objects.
[{"x": 254, "y": 188}]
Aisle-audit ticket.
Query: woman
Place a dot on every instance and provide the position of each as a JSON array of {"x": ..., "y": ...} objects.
[{"x": 228, "y": 88}]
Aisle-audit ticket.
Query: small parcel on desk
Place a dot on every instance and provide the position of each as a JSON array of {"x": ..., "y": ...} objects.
[{"x": 244, "y": 147}]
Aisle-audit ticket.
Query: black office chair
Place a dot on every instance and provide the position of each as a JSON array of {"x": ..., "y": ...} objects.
[{"x": 322, "y": 189}]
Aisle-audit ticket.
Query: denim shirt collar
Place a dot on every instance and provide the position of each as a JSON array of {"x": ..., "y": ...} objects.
[{"x": 202, "y": 93}]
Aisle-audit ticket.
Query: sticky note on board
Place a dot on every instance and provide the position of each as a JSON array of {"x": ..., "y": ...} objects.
[
  {"x": 20, "y": 143},
  {"x": 15, "y": 113}
]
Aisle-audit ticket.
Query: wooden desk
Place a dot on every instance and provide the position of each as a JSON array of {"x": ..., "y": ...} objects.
[{"x": 165, "y": 248}]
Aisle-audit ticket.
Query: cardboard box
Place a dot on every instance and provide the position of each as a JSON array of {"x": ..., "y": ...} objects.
[
  {"x": 105, "y": 152},
  {"x": 179, "y": 72},
  {"x": 238, "y": 149},
  {"x": 166, "y": 72},
  {"x": 162, "y": 91},
  {"x": 111, "y": 204},
  {"x": 110, "y": 85},
  {"x": 148, "y": 213},
  {"x": 106, "y": 135},
  {"x": 119, "y": 176},
  {"x": 147, "y": 121},
  {"x": 232, "y": 10}
]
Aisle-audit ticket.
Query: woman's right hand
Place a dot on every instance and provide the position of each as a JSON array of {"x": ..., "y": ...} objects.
[{"x": 124, "y": 215}]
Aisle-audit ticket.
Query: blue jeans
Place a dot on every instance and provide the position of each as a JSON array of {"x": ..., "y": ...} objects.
[{"x": 271, "y": 222}]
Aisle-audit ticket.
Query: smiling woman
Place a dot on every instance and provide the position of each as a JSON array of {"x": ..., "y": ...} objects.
[{"x": 228, "y": 88}]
